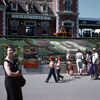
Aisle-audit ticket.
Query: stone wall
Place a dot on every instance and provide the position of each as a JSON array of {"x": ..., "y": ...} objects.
[{"x": 42, "y": 69}]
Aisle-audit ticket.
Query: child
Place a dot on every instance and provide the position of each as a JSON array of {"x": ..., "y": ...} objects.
[
  {"x": 58, "y": 65},
  {"x": 70, "y": 67},
  {"x": 51, "y": 70}
]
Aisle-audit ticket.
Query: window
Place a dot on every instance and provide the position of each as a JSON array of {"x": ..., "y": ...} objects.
[
  {"x": 30, "y": 8},
  {"x": 67, "y": 5},
  {"x": 14, "y": 6},
  {"x": 44, "y": 8},
  {"x": 44, "y": 28},
  {"x": 29, "y": 28},
  {"x": 14, "y": 26}
]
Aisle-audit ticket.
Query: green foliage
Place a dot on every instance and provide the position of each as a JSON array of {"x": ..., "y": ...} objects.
[{"x": 45, "y": 49}]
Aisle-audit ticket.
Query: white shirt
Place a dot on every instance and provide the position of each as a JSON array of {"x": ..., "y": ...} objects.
[
  {"x": 79, "y": 55},
  {"x": 68, "y": 56},
  {"x": 51, "y": 64},
  {"x": 58, "y": 65},
  {"x": 94, "y": 57}
]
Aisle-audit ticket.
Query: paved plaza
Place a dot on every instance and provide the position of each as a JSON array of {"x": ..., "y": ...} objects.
[{"x": 79, "y": 88}]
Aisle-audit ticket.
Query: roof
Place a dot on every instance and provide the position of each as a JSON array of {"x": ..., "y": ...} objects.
[
  {"x": 89, "y": 19},
  {"x": 36, "y": 6},
  {"x": 1, "y": 2}
]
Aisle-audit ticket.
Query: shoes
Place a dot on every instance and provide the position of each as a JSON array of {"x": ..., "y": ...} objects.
[
  {"x": 46, "y": 81},
  {"x": 56, "y": 81},
  {"x": 80, "y": 74},
  {"x": 95, "y": 78},
  {"x": 90, "y": 78},
  {"x": 62, "y": 78},
  {"x": 97, "y": 75}
]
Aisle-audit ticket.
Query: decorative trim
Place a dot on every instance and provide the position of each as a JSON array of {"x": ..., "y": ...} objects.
[
  {"x": 68, "y": 13},
  {"x": 4, "y": 2},
  {"x": 89, "y": 25},
  {"x": 57, "y": 23},
  {"x": 68, "y": 21},
  {"x": 30, "y": 16},
  {"x": 57, "y": 5},
  {"x": 2, "y": 7},
  {"x": 12, "y": 13}
]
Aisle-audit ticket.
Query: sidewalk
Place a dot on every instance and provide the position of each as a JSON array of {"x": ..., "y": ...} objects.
[{"x": 79, "y": 88}]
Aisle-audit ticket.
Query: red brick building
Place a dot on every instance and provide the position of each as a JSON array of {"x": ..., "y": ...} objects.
[{"x": 38, "y": 17}]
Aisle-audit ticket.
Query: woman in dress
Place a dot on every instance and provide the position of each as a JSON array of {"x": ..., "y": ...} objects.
[
  {"x": 90, "y": 65},
  {"x": 13, "y": 90}
]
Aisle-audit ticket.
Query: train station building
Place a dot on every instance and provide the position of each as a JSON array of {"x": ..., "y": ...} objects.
[
  {"x": 42, "y": 17},
  {"x": 38, "y": 17}
]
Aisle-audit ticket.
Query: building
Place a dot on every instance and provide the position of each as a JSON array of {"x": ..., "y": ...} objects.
[
  {"x": 89, "y": 27},
  {"x": 38, "y": 17}
]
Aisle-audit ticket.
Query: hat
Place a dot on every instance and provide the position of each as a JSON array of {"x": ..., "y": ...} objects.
[
  {"x": 51, "y": 57},
  {"x": 94, "y": 49},
  {"x": 59, "y": 58}
]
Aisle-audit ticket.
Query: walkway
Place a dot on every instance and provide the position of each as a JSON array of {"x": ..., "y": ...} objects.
[{"x": 79, "y": 88}]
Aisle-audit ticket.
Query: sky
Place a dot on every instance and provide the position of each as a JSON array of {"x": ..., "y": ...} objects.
[{"x": 89, "y": 8}]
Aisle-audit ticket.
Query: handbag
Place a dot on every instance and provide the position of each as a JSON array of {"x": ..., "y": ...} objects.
[{"x": 20, "y": 80}]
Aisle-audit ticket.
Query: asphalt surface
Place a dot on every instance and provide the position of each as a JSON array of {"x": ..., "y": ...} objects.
[{"x": 79, "y": 88}]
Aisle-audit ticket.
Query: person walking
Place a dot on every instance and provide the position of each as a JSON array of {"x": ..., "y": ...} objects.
[
  {"x": 13, "y": 90},
  {"x": 90, "y": 65},
  {"x": 51, "y": 70},
  {"x": 79, "y": 61},
  {"x": 95, "y": 60},
  {"x": 58, "y": 67}
]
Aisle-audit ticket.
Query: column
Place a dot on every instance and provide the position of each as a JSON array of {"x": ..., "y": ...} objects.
[
  {"x": 4, "y": 22},
  {"x": 57, "y": 15}
]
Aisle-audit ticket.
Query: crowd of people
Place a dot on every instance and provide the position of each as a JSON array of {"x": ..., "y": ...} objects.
[{"x": 88, "y": 61}]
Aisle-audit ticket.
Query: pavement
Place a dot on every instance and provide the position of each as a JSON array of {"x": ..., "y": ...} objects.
[{"x": 76, "y": 88}]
